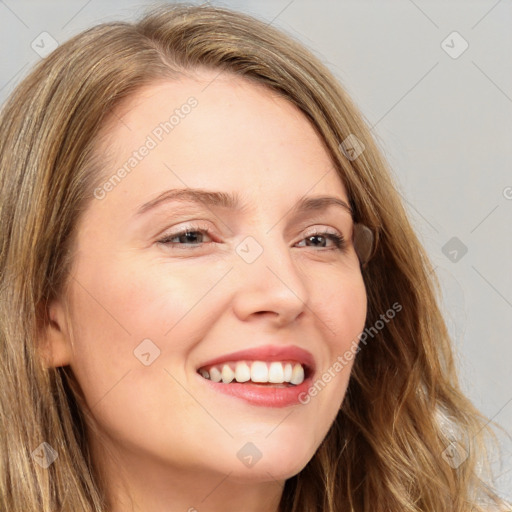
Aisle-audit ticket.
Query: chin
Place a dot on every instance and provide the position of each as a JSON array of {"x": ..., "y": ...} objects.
[{"x": 264, "y": 459}]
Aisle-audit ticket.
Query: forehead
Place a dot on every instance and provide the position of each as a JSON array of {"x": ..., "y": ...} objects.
[{"x": 238, "y": 136}]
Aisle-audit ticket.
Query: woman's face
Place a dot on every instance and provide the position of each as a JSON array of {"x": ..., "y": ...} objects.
[{"x": 154, "y": 317}]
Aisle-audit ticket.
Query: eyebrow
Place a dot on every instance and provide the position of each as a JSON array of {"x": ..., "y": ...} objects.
[{"x": 232, "y": 201}]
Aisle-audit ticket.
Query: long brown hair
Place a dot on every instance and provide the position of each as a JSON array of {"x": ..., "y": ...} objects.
[{"x": 387, "y": 447}]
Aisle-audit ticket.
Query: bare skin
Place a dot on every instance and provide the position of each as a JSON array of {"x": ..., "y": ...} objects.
[{"x": 167, "y": 441}]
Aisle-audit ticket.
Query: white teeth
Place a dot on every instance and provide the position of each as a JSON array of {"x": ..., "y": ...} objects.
[
  {"x": 297, "y": 375},
  {"x": 215, "y": 374},
  {"x": 288, "y": 368},
  {"x": 227, "y": 374},
  {"x": 276, "y": 373},
  {"x": 242, "y": 372},
  {"x": 259, "y": 371}
]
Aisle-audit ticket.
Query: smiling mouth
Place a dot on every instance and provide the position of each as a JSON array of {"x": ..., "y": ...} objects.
[{"x": 275, "y": 373}]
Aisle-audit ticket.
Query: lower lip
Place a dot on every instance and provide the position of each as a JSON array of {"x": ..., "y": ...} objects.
[{"x": 264, "y": 396}]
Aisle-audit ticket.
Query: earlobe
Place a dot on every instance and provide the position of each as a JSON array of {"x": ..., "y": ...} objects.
[{"x": 55, "y": 342}]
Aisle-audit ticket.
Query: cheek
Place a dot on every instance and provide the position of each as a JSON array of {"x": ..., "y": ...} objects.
[
  {"x": 344, "y": 304},
  {"x": 341, "y": 310},
  {"x": 126, "y": 300},
  {"x": 118, "y": 307},
  {"x": 118, "y": 325}
]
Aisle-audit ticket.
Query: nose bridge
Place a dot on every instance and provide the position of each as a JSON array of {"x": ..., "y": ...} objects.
[{"x": 268, "y": 277}]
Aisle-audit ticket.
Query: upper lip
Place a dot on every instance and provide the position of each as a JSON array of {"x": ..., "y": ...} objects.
[{"x": 267, "y": 353}]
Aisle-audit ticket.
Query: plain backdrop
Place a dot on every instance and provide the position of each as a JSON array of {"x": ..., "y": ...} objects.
[{"x": 434, "y": 81}]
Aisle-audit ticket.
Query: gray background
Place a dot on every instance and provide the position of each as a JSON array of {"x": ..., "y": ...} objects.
[{"x": 443, "y": 123}]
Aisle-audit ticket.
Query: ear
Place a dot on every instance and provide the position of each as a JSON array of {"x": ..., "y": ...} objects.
[{"x": 55, "y": 341}]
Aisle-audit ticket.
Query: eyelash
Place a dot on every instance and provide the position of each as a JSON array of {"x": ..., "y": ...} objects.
[{"x": 337, "y": 239}]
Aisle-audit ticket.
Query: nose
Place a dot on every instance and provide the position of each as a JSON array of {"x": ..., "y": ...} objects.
[{"x": 272, "y": 286}]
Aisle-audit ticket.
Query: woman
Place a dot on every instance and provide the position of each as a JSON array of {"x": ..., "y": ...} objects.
[{"x": 211, "y": 295}]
